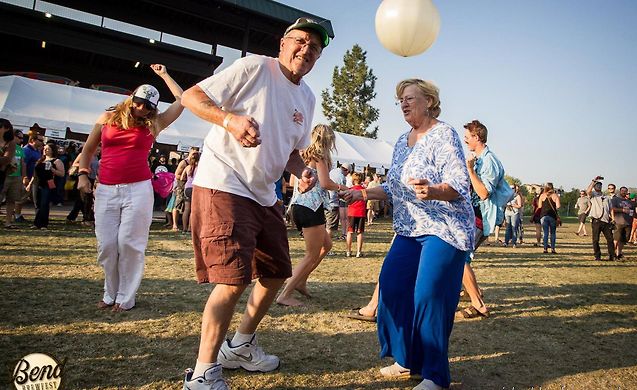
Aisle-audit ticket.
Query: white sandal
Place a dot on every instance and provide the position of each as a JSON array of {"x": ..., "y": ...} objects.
[{"x": 395, "y": 371}]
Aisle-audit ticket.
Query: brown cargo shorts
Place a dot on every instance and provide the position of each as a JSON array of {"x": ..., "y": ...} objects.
[{"x": 236, "y": 240}]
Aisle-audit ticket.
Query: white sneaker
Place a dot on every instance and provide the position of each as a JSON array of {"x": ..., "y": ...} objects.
[
  {"x": 348, "y": 254},
  {"x": 359, "y": 255},
  {"x": 210, "y": 380},
  {"x": 427, "y": 384},
  {"x": 248, "y": 356}
]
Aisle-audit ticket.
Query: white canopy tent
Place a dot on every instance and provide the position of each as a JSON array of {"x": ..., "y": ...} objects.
[{"x": 54, "y": 106}]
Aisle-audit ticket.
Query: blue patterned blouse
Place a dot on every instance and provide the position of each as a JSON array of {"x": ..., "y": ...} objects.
[
  {"x": 314, "y": 198},
  {"x": 438, "y": 157}
]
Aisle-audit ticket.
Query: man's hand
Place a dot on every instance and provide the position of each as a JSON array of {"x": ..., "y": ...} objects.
[
  {"x": 307, "y": 180},
  {"x": 159, "y": 69},
  {"x": 350, "y": 196},
  {"x": 422, "y": 188},
  {"x": 471, "y": 161},
  {"x": 244, "y": 129}
]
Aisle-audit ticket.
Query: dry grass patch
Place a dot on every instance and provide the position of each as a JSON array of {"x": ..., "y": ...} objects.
[{"x": 558, "y": 320}]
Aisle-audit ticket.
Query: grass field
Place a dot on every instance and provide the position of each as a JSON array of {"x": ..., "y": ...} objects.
[{"x": 559, "y": 321}]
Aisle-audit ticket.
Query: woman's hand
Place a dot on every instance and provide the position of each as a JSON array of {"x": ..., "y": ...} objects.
[
  {"x": 423, "y": 190},
  {"x": 84, "y": 184},
  {"x": 159, "y": 69}
]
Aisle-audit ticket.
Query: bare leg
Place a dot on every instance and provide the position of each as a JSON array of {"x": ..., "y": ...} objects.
[
  {"x": 10, "y": 210},
  {"x": 372, "y": 305},
  {"x": 260, "y": 300},
  {"x": 370, "y": 216},
  {"x": 216, "y": 318},
  {"x": 497, "y": 235},
  {"x": 471, "y": 286},
  {"x": 349, "y": 242},
  {"x": 327, "y": 246},
  {"x": 175, "y": 219},
  {"x": 186, "y": 216},
  {"x": 315, "y": 238},
  {"x": 359, "y": 243}
]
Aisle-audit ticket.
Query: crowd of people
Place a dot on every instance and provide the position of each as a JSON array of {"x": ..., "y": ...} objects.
[{"x": 230, "y": 197}]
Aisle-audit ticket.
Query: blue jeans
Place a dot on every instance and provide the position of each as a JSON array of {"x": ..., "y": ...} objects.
[
  {"x": 44, "y": 205},
  {"x": 513, "y": 222},
  {"x": 419, "y": 290},
  {"x": 548, "y": 225}
]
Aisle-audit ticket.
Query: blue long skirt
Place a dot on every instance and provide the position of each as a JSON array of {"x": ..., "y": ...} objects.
[{"x": 420, "y": 285}]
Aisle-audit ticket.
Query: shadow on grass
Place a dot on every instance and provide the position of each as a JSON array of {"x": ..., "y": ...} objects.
[{"x": 539, "y": 333}]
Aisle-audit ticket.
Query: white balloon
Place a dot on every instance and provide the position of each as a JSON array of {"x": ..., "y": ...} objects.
[{"x": 407, "y": 27}]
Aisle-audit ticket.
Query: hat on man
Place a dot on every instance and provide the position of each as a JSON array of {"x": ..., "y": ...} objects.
[
  {"x": 310, "y": 24},
  {"x": 346, "y": 166},
  {"x": 146, "y": 94}
]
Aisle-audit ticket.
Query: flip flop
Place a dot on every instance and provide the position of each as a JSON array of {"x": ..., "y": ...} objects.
[
  {"x": 472, "y": 312},
  {"x": 355, "y": 314}
]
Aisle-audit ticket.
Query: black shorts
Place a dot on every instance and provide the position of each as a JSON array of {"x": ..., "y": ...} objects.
[
  {"x": 304, "y": 217},
  {"x": 582, "y": 218},
  {"x": 356, "y": 225},
  {"x": 188, "y": 194}
]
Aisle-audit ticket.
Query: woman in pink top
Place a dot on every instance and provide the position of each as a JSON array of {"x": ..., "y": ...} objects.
[{"x": 124, "y": 197}]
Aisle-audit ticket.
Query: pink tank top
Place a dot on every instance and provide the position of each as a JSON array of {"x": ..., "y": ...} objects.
[{"x": 125, "y": 155}]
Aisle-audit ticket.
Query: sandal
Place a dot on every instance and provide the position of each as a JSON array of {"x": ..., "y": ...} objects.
[
  {"x": 10, "y": 226},
  {"x": 395, "y": 371},
  {"x": 464, "y": 296},
  {"x": 355, "y": 314},
  {"x": 104, "y": 305},
  {"x": 472, "y": 312}
]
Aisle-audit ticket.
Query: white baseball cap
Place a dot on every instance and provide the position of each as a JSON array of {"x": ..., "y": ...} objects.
[{"x": 146, "y": 94}]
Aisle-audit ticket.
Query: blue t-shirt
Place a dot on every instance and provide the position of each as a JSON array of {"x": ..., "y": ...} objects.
[{"x": 31, "y": 156}]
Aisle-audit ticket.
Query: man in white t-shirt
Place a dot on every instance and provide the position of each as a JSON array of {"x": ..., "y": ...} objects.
[{"x": 261, "y": 111}]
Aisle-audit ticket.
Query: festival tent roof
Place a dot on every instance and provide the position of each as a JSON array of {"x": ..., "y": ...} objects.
[{"x": 54, "y": 106}]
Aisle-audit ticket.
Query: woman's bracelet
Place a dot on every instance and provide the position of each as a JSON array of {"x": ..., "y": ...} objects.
[{"x": 226, "y": 120}]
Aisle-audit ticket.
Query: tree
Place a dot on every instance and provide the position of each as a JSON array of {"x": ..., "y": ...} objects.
[{"x": 347, "y": 107}]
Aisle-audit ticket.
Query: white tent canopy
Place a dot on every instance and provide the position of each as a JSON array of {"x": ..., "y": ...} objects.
[{"x": 54, "y": 106}]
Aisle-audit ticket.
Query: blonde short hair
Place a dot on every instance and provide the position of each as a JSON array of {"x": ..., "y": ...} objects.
[{"x": 428, "y": 89}]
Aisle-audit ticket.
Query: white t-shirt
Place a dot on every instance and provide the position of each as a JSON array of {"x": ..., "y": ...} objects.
[{"x": 255, "y": 86}]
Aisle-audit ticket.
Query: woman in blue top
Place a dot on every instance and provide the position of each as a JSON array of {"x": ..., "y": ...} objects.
[
  {"x": 428, "y": 184},
  {"x": 308, "y": 213}
]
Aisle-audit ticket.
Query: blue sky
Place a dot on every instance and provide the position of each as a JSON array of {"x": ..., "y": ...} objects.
[{"x": 555, "y": 82}]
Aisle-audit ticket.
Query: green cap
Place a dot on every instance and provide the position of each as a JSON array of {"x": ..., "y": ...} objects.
[{"x": 311, "y": 24}]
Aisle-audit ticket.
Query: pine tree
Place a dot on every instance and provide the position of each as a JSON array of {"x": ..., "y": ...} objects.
[{"x": 347, "y": 107}]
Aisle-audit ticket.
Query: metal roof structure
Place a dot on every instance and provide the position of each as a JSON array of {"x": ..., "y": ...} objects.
[{"x": 93, "y": 53}]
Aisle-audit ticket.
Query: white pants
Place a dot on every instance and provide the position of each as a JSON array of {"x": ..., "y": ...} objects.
[{"x": 123, "y": 214}]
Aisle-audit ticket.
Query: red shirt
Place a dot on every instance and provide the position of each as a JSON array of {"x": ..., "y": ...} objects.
[
  {"x": 125, "y": 155},
  {"x": 358, "y": 208}
]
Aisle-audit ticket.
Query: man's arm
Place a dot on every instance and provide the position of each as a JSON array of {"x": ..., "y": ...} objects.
[
  {"x": 297, "y": 167},
  {"x": 243, "y": 128},
  {"x": 589, "y": 189},
  {"x": 9, "y": 153}
]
